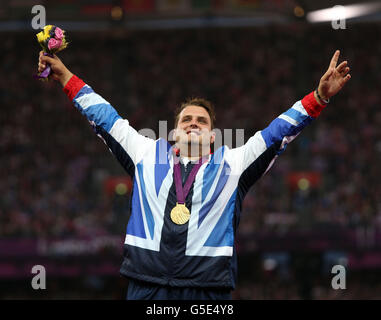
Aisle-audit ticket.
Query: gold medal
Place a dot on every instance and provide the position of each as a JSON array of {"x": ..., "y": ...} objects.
[{"x": 180, "y": 214}]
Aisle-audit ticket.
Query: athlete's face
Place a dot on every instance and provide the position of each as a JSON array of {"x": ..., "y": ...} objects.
[{"x": 194, "y": 127}]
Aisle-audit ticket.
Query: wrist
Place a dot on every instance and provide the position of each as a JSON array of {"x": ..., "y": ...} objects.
[
  {"x": 312, "y": 105},
  {"x": 320, "y": 97},
  {"x": 64, "y": 79},
  {"x": 73, "y": 86}
]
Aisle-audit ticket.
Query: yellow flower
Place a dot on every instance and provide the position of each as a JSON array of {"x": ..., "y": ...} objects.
[
  {"x": 40, "y": 37},
  {"x": 48, "y": 28},
  {"x": 64, "y": 44},
  {"x": 45, "y": 34}
]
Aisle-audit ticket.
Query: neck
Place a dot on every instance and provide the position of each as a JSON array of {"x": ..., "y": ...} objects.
[{"x": 193, "y": 152}]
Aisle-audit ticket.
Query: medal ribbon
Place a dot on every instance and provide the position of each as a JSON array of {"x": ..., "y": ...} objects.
[
  {"x": 46, "y": 72},
  {"x": 181, "y": 193}
]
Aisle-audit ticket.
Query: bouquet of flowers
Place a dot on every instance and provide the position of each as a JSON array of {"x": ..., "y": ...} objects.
[{"x": 52, "y": 40}]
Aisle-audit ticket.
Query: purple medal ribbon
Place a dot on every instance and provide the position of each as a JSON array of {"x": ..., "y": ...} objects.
[
  {"x": 181, "y": 193},
  {"x": 46, "y": 72}
]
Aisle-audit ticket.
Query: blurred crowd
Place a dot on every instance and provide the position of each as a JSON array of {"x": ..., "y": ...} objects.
[{"x": 53, "y": 166}]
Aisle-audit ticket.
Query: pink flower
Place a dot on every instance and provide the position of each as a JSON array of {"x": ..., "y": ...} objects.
[
  {"x": 59, "y": 33},
  {"x": 54, "y": 44}
]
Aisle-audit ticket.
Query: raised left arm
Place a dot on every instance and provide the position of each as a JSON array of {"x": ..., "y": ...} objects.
[{"x": 260, "y": 151}]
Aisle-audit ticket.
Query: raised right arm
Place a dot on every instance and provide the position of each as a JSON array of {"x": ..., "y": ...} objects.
[{"x": 123, "y": 140}]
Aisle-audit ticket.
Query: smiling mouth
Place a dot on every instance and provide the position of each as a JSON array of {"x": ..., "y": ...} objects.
[{"x": 194, "y": 131}]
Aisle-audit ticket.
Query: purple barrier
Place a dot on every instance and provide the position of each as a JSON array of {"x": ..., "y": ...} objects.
[
  {"x": 103, "y": 255},
  {"x": 61, "y": 257},
  {"x": 67, "y": 268},
  {"x": 60, "y": 247},
  {"x": 368, "y": 260},
  {"x": 18, "y": 247}
]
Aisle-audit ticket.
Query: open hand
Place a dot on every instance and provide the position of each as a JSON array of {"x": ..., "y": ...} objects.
[{"x": 335, "y": 78}]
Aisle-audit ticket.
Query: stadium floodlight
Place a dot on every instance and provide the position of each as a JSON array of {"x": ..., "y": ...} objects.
[{"x": 343, "y": 12}]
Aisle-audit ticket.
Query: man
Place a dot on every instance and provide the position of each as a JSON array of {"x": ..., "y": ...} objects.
[{"x": 186, "y": 202}]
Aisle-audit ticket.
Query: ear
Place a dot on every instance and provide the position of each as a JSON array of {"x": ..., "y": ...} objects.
[
  {"x": 212, "y": 137},
  {"x": 174, "y": 134}
]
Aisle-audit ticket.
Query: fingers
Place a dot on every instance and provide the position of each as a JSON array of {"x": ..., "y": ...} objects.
[
  {"x": 334, "y": 59},
  {"x": 342, "y": 66},
  {"x": 44, "y": 60},
  {"x": 41, "y": 67},
  {"x": 327, "y": 74},
  {"x": 342, "y": 69},
  {"x": 345, "y": 71},
  {"x": 346, "y": 79}
]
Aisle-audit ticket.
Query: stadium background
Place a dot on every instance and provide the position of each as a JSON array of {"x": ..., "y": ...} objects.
[{"x": 64, "y": 198}]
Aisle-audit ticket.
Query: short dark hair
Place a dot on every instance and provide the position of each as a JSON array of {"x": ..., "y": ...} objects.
[{"x": 199, "y": 102}]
